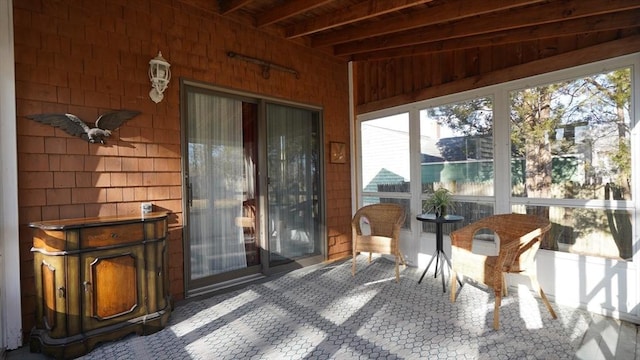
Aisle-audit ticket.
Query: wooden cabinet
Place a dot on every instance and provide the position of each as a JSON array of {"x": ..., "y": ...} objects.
[{"x": 98, "y": 279}]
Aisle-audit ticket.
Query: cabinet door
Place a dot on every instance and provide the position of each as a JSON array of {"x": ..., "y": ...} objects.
[
  {"x": 52, "y": 293},
  {"x": 113, "y": 282},
  {"x": 156, "y": 269}
]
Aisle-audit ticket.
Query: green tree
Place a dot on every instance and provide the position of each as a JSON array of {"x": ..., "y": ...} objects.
[
  {"x": 544, "y": 125},
  {"x": 611, "y": 94},
  {"x": 470, "y": 118}
]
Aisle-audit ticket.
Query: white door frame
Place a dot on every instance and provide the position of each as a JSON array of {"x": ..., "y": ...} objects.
[{"x": 10, "y": 308}]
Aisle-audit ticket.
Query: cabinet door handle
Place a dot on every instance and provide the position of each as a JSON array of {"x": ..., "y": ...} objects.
[
  {"x": 87, "y": 286},
  {"x": 61, "y": 292}
]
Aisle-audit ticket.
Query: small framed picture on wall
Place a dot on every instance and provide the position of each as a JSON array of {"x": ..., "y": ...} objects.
[{"x": 338, "y": 152}]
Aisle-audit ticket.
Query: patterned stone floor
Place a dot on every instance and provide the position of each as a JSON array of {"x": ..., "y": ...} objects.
[{"x": 322, "y": 312}]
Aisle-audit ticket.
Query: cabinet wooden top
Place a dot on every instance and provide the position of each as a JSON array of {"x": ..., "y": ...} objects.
[{"x": 65, "y": 224}]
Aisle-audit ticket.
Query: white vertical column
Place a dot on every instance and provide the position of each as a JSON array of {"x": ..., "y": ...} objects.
[
  {"x": 10, "y": 309},
  {"x": 501, "y": 151},
  {"x": 354, "y": 151},
  {"x": 413, "y": 247}
]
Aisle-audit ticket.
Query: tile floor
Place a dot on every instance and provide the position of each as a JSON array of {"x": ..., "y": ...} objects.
[{"x": 322, "y": 312}]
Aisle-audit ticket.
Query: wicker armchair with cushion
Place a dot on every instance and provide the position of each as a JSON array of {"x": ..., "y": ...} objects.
[
  {"x": 517, "y": 238},
  {"x": 376, "y": 229}
]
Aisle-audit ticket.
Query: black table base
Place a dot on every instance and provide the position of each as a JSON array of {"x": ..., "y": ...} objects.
[
  {"x": 442, "y": 260},
  {"x": 440, "y": 257}
]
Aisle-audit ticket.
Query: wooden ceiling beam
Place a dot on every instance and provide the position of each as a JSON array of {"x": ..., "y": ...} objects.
[
  {"x": 227, "y": 6},
  {"x": 545, "y": 13},
  {"x": 287, "y": 10},
  {"x": 438, "y": 13},
  {"x": 354, "y": 13},
  {"x": 562, "y": 61},
  {"x": 616, "y": 21}
]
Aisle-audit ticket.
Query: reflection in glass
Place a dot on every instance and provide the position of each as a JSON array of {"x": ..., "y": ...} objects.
[
  {"x": 293, "y": 171},
  {"x": 596, "y": 232},
  {"x": 456, "y": 147},
  {"x": 571, "y": 140}
]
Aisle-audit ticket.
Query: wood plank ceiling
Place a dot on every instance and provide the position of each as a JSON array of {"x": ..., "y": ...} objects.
[
  {"x": 409, "y": 50},
  {"x": 380, "y": 29}
]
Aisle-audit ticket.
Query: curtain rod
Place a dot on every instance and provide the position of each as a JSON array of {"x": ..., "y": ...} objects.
[{"x": 266, "y": 66}]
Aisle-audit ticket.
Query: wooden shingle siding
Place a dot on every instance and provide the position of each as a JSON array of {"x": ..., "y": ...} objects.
[{"x": 87, "y": 57}]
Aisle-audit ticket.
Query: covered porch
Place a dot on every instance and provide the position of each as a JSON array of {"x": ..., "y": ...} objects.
[{"x": 346, "y": 59}]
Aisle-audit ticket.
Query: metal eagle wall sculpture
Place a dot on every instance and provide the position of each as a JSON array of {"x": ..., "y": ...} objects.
[{"x": 76, "y": 127}]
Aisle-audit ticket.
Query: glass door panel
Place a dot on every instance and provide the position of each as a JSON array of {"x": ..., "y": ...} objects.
[
  {"x": 293, "y": 157},
  {"x": 221, "y": 218}
]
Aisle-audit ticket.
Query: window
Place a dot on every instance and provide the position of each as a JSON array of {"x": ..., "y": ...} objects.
[
  {"x": 456, "y": 147},
  {"x": 572, "y": 140},
  {"x": 386, "y": 161},
  {"x": 456, "y": 153}
]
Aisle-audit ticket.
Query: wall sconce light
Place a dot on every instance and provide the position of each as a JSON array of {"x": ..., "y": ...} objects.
[{"x": 159, "y": 74}]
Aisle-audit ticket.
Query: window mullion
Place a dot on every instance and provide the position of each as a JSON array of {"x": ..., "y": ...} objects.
[{"x": 501, "y": 152}]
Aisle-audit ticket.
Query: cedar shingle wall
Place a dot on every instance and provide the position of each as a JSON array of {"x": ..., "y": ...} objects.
[{"x": 86, "y": 57}]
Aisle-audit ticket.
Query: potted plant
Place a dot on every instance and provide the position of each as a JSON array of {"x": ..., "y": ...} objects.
[{"x": 439, "y": 203}]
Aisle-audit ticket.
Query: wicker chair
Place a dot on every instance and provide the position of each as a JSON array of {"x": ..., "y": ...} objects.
[
  {"x": 384, "y": 222},
  {"x": 519, "y": 238}
]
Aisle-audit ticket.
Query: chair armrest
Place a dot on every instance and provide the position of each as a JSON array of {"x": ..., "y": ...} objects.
[
  {"x": 520, "y": 252},
  {"x": 463, "y": 237}
]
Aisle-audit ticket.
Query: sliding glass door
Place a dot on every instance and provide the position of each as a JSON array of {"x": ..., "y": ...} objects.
[{"x": 252, "y": 175}]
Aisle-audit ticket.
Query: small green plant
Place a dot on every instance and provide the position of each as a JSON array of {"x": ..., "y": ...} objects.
[{"x": 440, "y": 202}]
